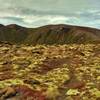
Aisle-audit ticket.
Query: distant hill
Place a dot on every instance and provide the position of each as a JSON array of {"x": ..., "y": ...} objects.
[{"x": 49, "y": 34}]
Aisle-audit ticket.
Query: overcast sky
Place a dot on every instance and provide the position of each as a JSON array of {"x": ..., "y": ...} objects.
[{"x": 33, "y": 13}]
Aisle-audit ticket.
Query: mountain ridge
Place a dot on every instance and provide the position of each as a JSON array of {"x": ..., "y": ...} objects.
[{"x": 49, "y": 34}]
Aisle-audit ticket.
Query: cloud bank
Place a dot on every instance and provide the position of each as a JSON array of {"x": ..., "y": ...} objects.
[{"x": 34, "y": 13}]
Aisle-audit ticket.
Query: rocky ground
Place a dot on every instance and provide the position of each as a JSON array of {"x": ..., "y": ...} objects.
[{"x": 56, "y": 72}]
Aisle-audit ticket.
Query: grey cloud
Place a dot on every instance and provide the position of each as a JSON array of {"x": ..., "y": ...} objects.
[
  {"x": 13, "y": 18},
  {"x": 51, "y": 5},
  {"x": 33, "y": 13}
]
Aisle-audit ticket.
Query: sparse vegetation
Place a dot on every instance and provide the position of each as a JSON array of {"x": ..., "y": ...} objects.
[{"x": 50, "y": 72}]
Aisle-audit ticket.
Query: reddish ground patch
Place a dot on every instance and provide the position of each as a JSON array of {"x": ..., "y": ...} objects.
[
  {"x": 74, "y": 84},
  {"x": 28, "y": 94},
  {"x": 20, "y": 92},
  {"x": 50, "y": 64}
]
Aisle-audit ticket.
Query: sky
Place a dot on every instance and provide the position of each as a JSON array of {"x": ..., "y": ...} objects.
[{"x": 35, "y": 13}]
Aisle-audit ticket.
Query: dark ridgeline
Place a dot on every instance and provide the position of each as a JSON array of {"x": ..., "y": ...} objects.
[{"x": 49, "y": 34}]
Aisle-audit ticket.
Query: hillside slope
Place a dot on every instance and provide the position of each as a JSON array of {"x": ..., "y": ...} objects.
[{"x": 49, "y": 34}]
